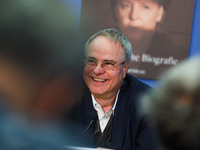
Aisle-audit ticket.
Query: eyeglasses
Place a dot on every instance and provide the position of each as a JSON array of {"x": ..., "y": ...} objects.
[{"x": 107, "y": 65}]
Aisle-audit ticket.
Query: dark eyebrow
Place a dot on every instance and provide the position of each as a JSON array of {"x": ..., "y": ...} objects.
[
  {"x": 110, "y": 61},
  {"x": 105, "y": 60}
]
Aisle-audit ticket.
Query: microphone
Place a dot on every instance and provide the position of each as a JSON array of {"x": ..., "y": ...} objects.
[{"x": 93, "y": 119}]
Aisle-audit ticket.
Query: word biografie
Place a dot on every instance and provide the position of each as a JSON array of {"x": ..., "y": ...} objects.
[{"x": 147, "y": 58}]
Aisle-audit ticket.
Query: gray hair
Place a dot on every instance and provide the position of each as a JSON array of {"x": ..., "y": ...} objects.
[
  {"x": 115, "y": 36},
  {"x": 174, "y": 106}
]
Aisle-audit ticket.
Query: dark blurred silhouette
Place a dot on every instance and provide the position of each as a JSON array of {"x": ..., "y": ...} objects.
[
  {"x": 40, "y": 65},
  {"x": 174, "y": 107}
]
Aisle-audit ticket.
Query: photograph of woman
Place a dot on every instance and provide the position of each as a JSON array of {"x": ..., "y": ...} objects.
[{"x": 156, "y": 29}]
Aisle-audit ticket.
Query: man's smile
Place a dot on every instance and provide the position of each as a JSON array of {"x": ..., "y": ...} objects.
[{"x": 99, "y": 80}]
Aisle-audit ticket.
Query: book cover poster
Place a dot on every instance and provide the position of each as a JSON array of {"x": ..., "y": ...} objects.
[{"x": 159, "y": 30}]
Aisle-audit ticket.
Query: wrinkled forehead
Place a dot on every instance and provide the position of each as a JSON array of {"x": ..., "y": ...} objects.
[{"x": 105, "y": 47}]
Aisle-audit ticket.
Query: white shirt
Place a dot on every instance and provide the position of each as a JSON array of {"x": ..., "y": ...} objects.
[{"x": 103, "y": 118}]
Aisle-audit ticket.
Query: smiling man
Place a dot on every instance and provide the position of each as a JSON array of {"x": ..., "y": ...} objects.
[{"x": 112, "y": 96}]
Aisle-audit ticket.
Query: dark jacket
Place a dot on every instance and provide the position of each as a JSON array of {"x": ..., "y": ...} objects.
[{"x": 130, "y": 130}]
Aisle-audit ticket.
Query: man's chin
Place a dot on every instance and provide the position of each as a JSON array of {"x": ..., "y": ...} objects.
[{"x": 97, "y": 92}]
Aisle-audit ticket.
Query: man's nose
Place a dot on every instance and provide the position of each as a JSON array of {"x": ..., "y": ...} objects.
[{"x": 99, "y": 69}]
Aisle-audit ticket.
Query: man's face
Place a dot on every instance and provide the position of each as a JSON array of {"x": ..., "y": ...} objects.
[
  {"x": 137, "y": 18},
  {"x": 105, "y": 83}
]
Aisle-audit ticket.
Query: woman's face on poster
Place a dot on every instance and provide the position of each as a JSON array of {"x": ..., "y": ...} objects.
[{"x": 138, "y": 18}]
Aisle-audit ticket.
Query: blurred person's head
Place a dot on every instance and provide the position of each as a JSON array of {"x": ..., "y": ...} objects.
[
  {"x": 108, "y": 54},
  {"x": 137, "y": 19},
  {"x": 39, "y": 60},
  {"x": 174, "y": 107}
]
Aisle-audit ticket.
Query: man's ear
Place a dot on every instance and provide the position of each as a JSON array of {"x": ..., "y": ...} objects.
[{"x": 125, "y": 69}]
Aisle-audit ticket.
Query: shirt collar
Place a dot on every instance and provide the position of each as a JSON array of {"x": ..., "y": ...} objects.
[{"x": 113, "y": 107}]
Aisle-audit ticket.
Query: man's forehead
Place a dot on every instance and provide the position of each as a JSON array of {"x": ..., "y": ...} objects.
[{"x": 105, "y": 40}]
